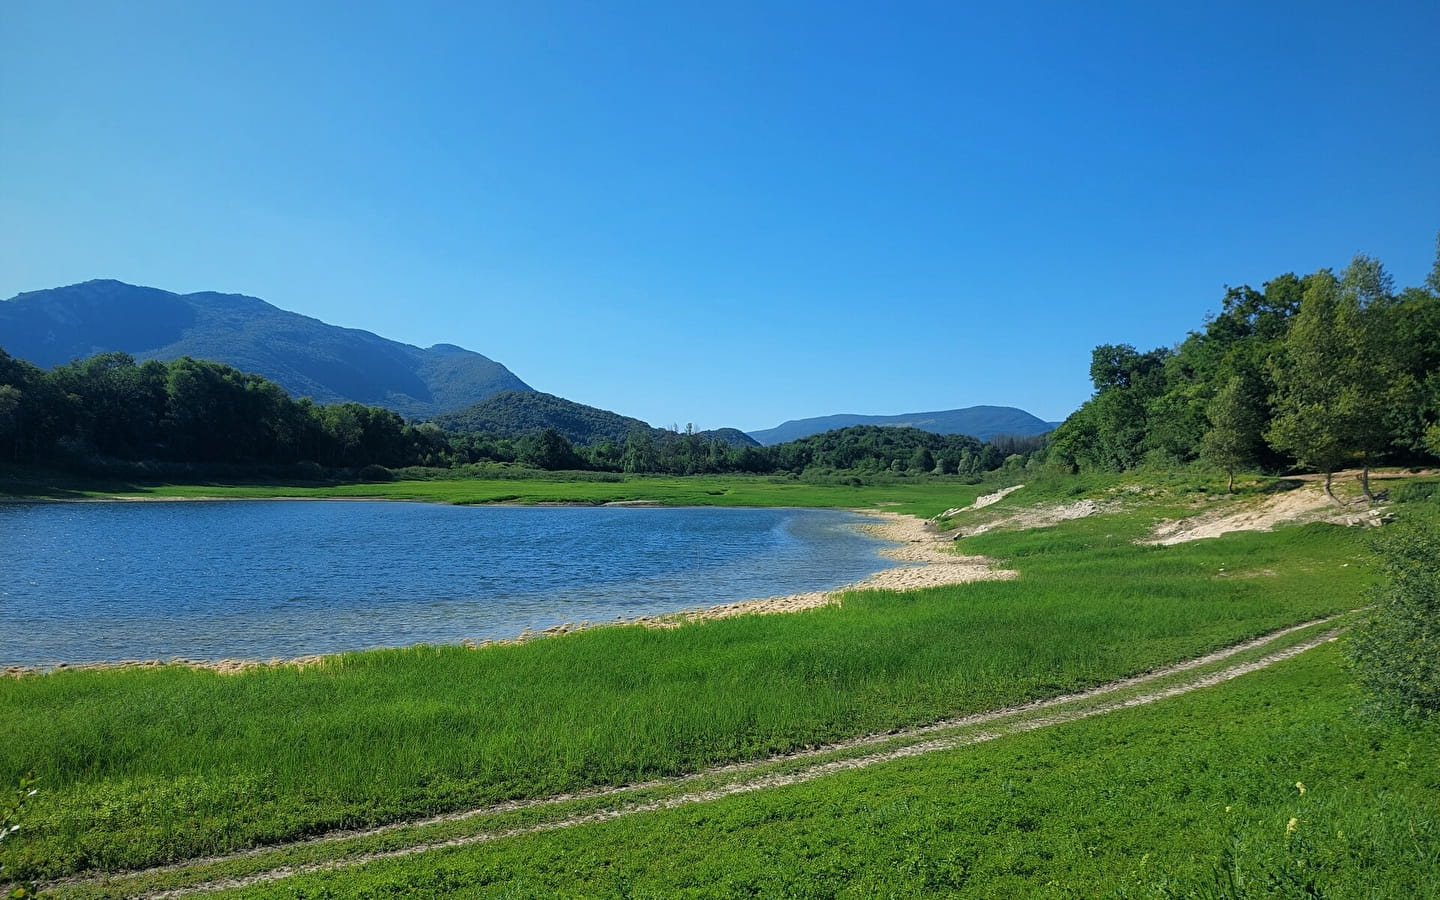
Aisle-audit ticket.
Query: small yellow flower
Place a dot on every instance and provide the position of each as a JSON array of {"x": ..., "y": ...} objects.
[
  {"x": 1227, "y": 809},
  {"x": 1290, "y": 826},
  {"x": 1300, "y": 786}
]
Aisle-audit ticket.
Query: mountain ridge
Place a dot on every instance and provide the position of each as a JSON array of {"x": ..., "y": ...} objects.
[
  {"x": 520, "y": 413},
  {"x": 304, "y": 355},
  {"x": 983, "y": 422},
  {"x": 329, "y": 363}
]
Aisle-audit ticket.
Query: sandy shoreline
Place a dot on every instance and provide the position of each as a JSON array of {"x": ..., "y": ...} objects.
[
  {"x": 927, "y": 555},
  {"x": 931, "y": 562}
]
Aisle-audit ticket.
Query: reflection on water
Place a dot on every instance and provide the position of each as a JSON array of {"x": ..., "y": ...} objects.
[{"x": 91, "y": 582}]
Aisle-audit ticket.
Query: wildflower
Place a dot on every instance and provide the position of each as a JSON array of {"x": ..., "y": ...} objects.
[
  {"x": 1300, "y": 786},
  {"x": 1290, "y": 826}
]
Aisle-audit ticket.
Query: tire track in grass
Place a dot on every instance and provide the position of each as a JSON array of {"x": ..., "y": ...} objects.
[{"x": 920, "y": 744}]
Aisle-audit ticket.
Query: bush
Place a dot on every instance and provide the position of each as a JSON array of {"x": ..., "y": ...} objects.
[
  {"x": 373, "y": 473},
  {"x": 1396, "y": 652},
  {"x": 309, "y": 471}
]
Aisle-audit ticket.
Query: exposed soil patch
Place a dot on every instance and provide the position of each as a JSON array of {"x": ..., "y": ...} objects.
[
  {"x": 1305, "y": 503},
  {"x": 1035, "y": 517},
  {"x": 982, "y": 502}
]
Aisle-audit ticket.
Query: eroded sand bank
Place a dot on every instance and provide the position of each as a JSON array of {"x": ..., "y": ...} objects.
[{"x": 929, "y": 557}]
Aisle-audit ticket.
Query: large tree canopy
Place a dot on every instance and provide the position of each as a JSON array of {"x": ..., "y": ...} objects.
[{"x": 1316, "y": 372}]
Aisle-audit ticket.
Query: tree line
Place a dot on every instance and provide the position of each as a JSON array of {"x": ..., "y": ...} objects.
[
  {"x": 109, "y": 408},
  {"x": 1318, "y": 372}
]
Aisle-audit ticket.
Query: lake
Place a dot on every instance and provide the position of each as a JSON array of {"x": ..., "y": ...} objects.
[{"x": 102, "y": 582}]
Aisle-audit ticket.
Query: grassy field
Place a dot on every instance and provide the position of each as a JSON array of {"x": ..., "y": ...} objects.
[
  {"x": 147, "y": 766},
  {"x": 921, "y": 496},
  {"x": 1198, "y": 796}
]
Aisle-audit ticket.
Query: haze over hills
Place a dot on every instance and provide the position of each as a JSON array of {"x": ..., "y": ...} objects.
[
  {"x": 307, "y": 357},
  {"x": 519, "y": 413},
  {"x": 983, "y": 422}
]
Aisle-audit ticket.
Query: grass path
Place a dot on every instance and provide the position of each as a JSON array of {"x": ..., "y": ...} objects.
[{"x": 339, "y": 850}]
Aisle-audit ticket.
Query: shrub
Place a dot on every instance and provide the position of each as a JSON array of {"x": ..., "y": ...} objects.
[
  {"x": 375, "y": 472},
  {"x": 309, "y": 471},
  {"x": 1396, "y": 652}
]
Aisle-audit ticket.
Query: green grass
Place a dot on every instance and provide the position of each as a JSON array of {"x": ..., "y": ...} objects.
[
  {"x": 147, "y": 766},
  {"x": 1191, "y": 797},
  {"x": 921, "y": 496}
]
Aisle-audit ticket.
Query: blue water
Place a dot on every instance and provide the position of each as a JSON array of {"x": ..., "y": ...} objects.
[{"x": 97, "y": 582}]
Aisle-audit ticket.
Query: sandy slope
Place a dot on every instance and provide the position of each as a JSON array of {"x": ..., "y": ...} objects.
[{"x": 1306, "y": 503}]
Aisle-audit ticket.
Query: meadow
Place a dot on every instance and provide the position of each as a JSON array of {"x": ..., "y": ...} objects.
[
  {"x": 923, "y": 496},
  {"x": 148, "y": 766},
  {"x": 1268, "y": 786}
]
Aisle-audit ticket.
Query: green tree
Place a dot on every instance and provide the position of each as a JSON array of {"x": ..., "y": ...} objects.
[
  {"x": 1112, "y": 430},
  {"x": 548, "y": 450},
  {"x": 10, "y": 397},
  {"x": 1412, "y": 336},
  {"x": 717, "y": 456},
  {"x": 1237, "y": 420},
  {"x": 344, "y": 433},
  {"x": 1371, "y": 364},
  {"x": 1312, "y": 422},
  {"x": 640, "y": 455},
  {"x": 922, "y": 460}
]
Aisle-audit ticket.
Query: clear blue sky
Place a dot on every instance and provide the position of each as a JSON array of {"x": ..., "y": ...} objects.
[{"x": 726, "y": 213}]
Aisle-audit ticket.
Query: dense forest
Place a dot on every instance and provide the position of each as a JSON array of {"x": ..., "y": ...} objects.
[
  {"x": 108, "y": 413},
  {"x": 1316, "y": 372}
]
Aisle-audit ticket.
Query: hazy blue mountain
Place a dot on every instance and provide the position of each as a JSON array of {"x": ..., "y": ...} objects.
[
  {"x": 518, "y": 413},
  {"x": 983, "y": 422},
  {"x": 307, "y": 357}
]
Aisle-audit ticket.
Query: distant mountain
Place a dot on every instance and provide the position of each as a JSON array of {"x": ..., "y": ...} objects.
[
  {"x": 983, "y": 422},
  {"x": 307, "y": 357},
  {"x": 732, "y": 436},
  {"x": 518, "y": 413}
]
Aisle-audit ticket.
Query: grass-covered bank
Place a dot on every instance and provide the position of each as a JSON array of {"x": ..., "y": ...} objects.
[
  {"x": 147, "y": 766},
  {"x": 923, "y": 496},
  {"x": 1190, "y": 797}
]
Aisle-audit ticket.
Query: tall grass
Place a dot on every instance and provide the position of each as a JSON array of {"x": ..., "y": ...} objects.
[
  {"x": 1196, "y": 797},
  {"x": 147, "y": 766}
]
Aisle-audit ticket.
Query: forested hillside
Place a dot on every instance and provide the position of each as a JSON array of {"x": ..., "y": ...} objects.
[
  {"x": 109, "y": 407},
  {"x": 1317, "y": 372},
  {"x": 518, "y": 413},
  {"x": 109, "y": 412},
  {"x": 305, "y": 356}
]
